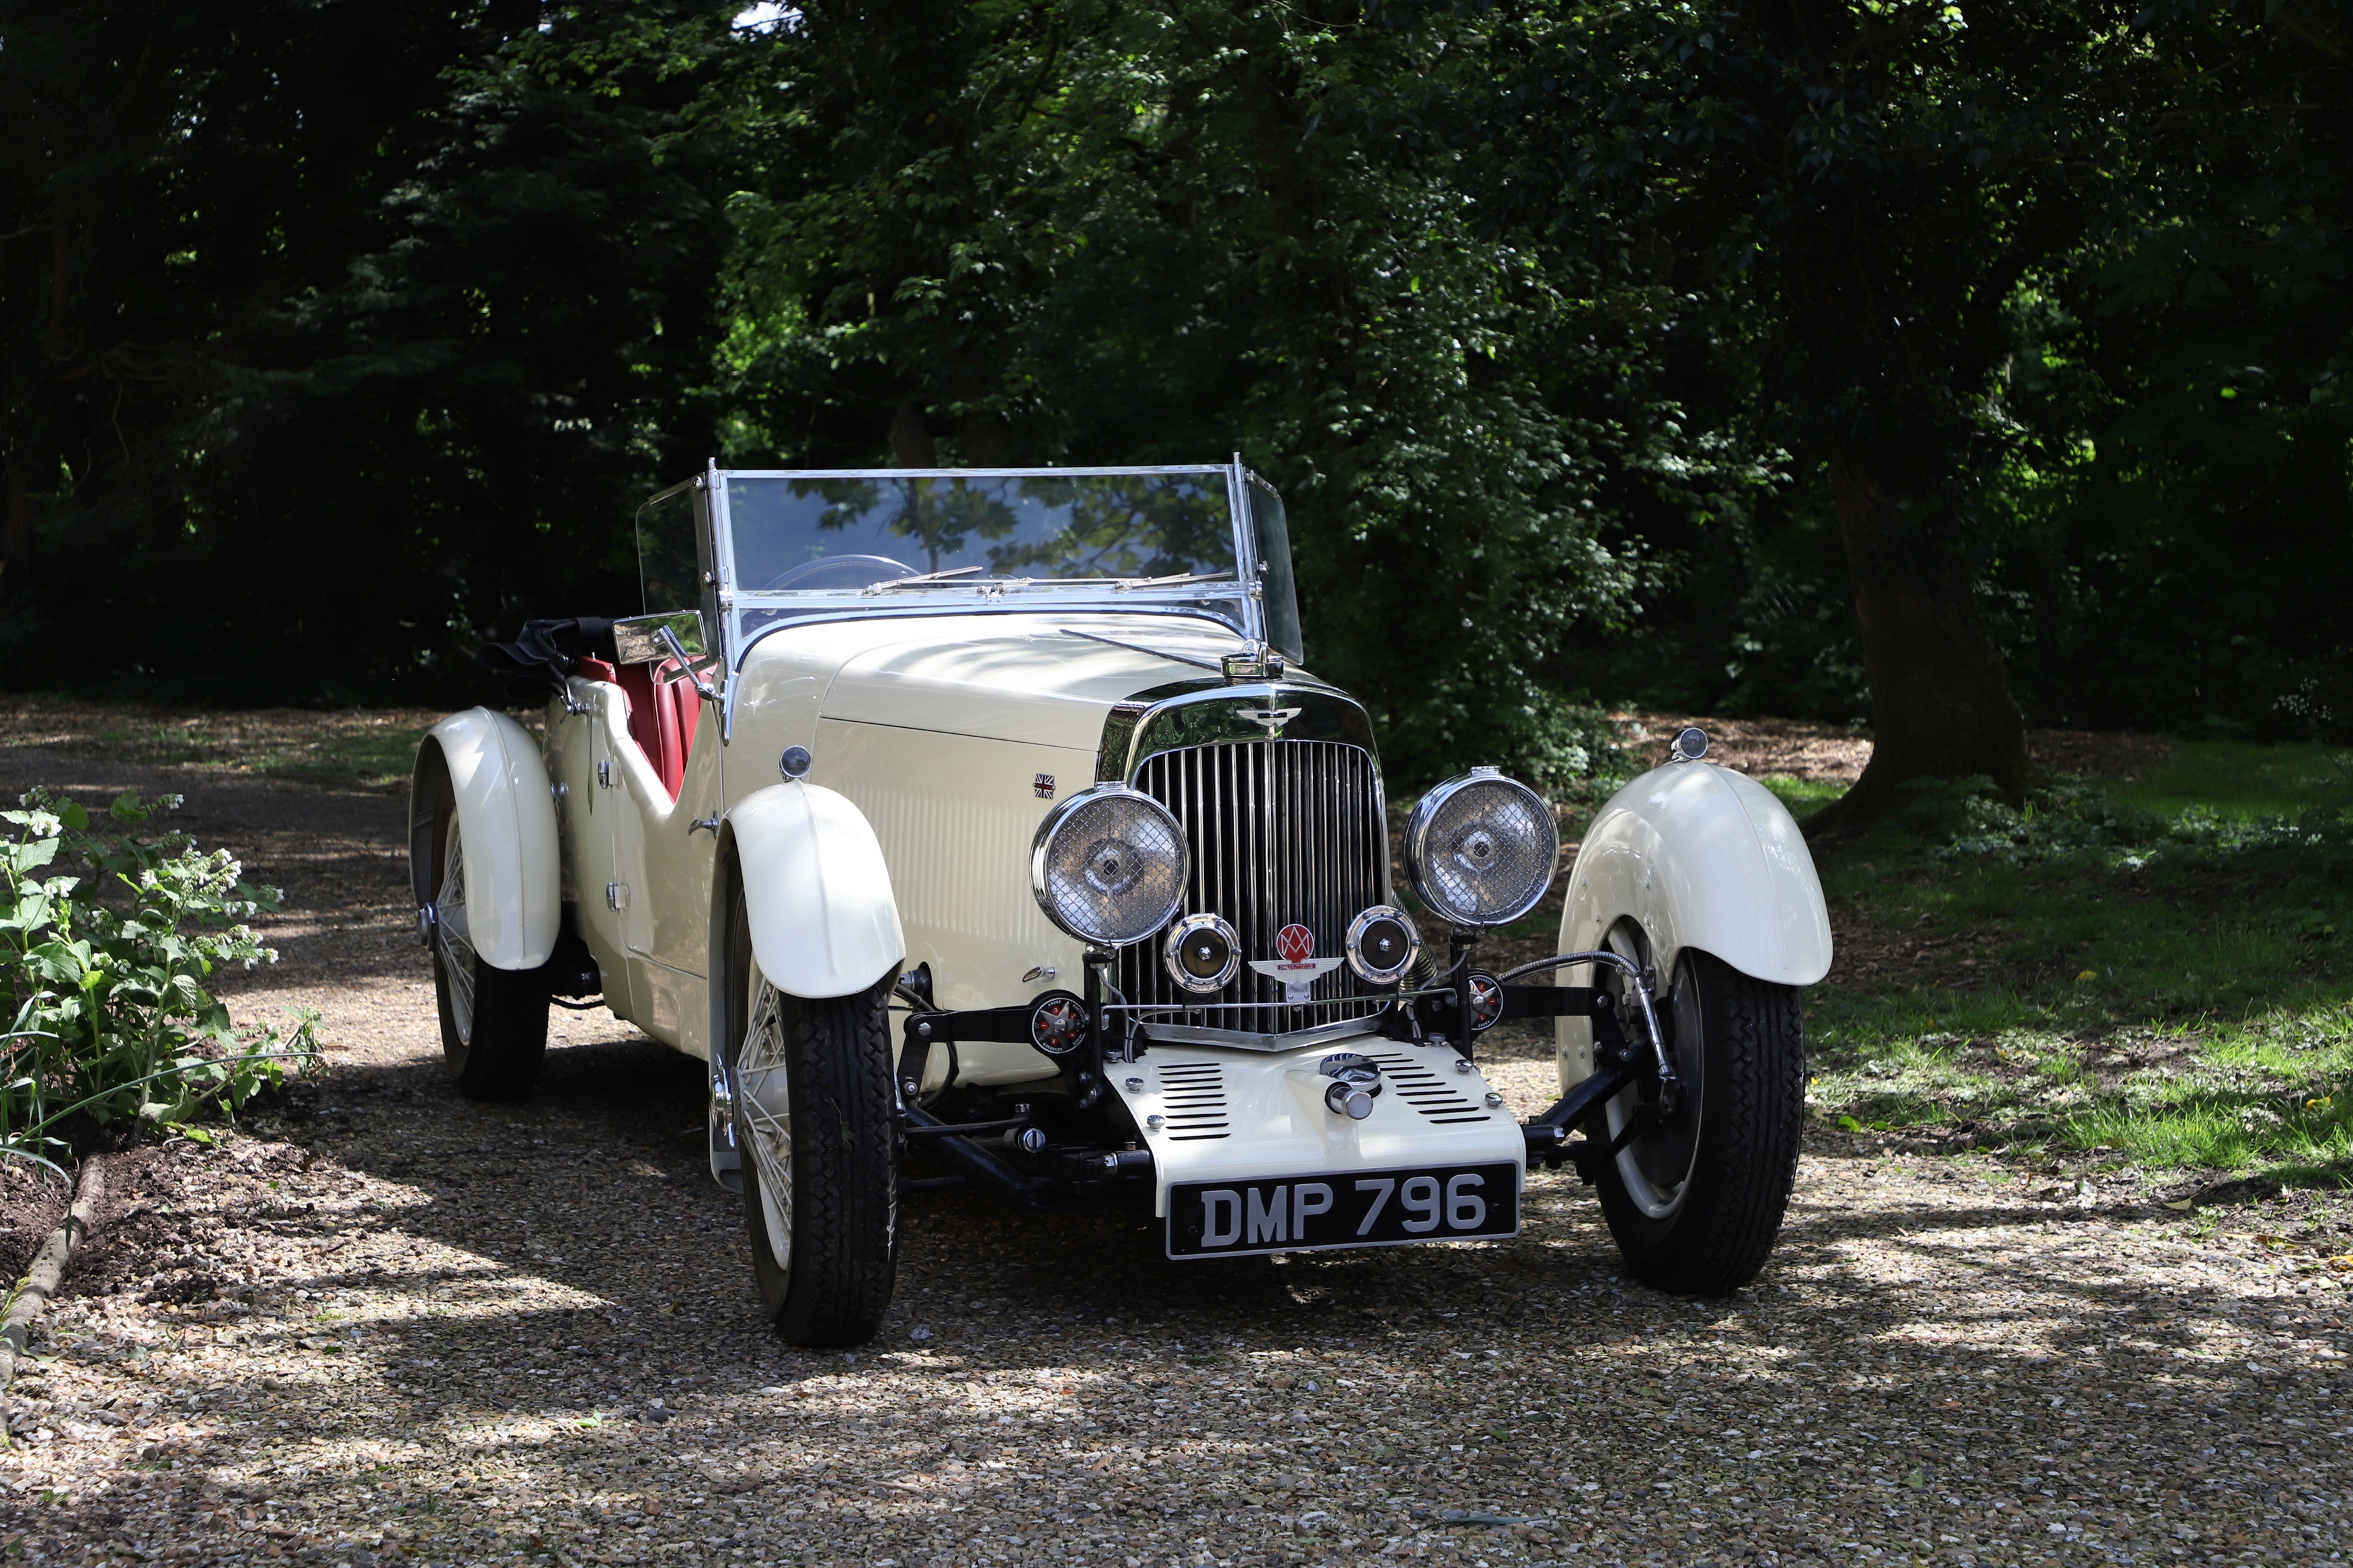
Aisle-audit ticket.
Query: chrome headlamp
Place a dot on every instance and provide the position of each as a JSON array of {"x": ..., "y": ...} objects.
[
  {"x": 1480, "y": 849},
  {"x": 1108, "y": 865}
]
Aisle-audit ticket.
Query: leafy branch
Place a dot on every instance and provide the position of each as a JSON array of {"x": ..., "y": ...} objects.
[{"x": 108, "y": 944}]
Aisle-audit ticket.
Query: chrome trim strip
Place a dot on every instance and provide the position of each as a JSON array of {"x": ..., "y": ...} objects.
[
  {"x": 1244, "y": 1040},
  {"x": 1133, "y": 734},
  {"x": 1222, "y": 470}
]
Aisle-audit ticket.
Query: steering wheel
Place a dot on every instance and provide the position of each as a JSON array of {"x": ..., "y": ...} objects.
[{"x": 838, "y": 571}]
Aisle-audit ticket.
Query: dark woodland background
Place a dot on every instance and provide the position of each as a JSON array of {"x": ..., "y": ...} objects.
[{"x": 1606, "y": 354}]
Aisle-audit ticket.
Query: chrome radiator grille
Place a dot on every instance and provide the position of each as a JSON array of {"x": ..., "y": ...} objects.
[{"x": 1282, "y": 832}]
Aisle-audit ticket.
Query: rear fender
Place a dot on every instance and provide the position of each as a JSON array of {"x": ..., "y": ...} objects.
[
  {"x": 506, "y": 818},
  {"x": 823, "y": 920}
]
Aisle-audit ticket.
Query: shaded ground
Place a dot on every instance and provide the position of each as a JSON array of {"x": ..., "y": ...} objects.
[
  {"x": 1792, "y": 748},
  {"x": 384, "y": 1325},
  {"x": 32, "y": 1202}
]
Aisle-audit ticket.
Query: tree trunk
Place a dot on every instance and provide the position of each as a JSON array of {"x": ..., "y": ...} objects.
[{"x": 1940, "y": 706}]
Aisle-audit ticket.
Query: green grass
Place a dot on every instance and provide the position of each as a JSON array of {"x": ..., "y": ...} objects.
[
  {"x": 2175, "y": 994},
  {"x": 2240, "y": 782},
  {"x": 1802, "y": 796}
]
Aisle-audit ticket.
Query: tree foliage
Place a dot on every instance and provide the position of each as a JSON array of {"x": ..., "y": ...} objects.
[
  {"x": 336, "y": 332},
  {"x": 1104, "y": 233},
  {"x": 1905, "y": 360}
]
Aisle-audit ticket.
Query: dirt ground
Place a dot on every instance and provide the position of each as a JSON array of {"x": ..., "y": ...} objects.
[
  {"x": 387, "y": 1326},
  {"x": 1797, "y": 749}
]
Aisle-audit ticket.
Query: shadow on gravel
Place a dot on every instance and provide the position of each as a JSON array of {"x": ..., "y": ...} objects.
[{"x": 552, "y": 1298}]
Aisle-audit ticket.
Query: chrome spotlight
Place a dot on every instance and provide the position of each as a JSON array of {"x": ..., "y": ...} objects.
[{"x": 1480, "y": 849}]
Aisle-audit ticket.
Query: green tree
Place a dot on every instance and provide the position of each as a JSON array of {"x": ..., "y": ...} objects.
[
  {"x": 1106, "y": 232},
  {"x": 1876, "y": 183},
  {"x": 349, "y": 332},
  {"x": 2183, "y": 507}
]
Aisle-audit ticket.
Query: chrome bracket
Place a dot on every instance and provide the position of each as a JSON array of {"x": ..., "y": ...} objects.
[{"x": 1640, "y": 984}]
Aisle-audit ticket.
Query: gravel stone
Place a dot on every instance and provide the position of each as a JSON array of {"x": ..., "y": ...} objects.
[{"x": 385, "y": 1326}]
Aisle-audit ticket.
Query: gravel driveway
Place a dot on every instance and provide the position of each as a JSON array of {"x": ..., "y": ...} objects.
[{"x": 393, "y": 1327}]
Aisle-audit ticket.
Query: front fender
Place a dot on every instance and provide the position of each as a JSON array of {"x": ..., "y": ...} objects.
[
  {"x": 1702, "y": 857},
  {"x": 506, "y": 818},
  {"x": 823, "y": 920}
]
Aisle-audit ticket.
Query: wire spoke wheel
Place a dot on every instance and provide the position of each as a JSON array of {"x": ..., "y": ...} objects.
[
  {"x": 452, "y": 937},
  {"x": 493, "y": 1020},
  {"x": 763, "y": 1097},
  {"x": 817, "y": 1121}
]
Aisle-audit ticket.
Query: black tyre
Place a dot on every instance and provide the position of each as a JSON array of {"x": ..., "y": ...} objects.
[
  {"x": 1695, "y": 1197},
  {"x": 494, "y": 1021},
  {"x": 818, "y": 1125}
]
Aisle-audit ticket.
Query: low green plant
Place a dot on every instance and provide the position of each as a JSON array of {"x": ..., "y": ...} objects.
[
  {"x": 109, "y": 942},
  {"x": 2153, "y": 972}
]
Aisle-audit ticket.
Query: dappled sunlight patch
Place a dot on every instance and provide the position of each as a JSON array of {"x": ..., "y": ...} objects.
[{"x": 2165, "y": 989}]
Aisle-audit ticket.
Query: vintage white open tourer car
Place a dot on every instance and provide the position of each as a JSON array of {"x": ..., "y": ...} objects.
[{"x": 990, "y": 813}]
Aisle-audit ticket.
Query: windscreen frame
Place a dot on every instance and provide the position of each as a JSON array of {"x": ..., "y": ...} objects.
[{"x": 733, "y": 601}]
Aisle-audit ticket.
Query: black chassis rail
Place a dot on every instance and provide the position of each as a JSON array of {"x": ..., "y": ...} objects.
[
  {"x": 1475, "y": 1002},
  {"x": 1057, "y": 1172},
  {"x": 1463, "y": 1005}
]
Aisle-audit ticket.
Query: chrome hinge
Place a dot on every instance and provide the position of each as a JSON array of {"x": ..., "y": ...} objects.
[
  {"x": 616, "y": 896},
  {"x": 700, "y": 822},
  {"x": 605, "y": 775}
]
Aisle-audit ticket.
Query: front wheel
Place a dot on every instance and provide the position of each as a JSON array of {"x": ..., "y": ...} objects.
[
  {"x": 815, "y": 1118},
  {"x": 1695, "y": 1196}
]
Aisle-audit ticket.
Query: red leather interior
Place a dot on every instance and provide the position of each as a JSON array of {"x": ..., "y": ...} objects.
[{"x": 662, "y": 719}]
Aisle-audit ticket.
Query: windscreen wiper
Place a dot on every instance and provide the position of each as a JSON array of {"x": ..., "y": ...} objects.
[
  {"x": 1139, "y": 647},
  {"x": 1182, "y": 577},
  {"x": 922, "y": 577}
]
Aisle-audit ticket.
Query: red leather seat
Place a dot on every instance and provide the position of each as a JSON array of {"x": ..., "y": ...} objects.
[{"x": 662, "y": 717}]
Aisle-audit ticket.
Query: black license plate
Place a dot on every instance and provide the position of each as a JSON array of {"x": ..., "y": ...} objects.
[{"x": 1354, "y": 1208}]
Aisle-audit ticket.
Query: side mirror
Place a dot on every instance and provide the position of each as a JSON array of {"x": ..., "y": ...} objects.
[
  {"x": 675, "y": 635},
  {"x": 638, "y": 639}
]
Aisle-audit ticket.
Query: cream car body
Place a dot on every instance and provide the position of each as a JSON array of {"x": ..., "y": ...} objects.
[{"x": 830, "y": 776}]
